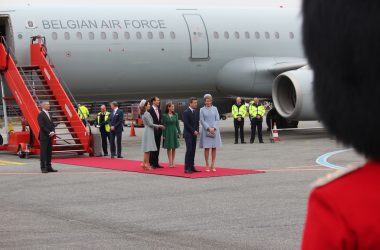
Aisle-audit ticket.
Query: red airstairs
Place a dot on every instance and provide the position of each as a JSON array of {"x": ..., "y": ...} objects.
[{"x": 30, "y": 86}]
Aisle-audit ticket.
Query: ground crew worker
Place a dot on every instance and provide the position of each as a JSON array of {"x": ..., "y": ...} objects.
[
  {"x": 239, "y": 110},
  {"x": 256, "y": 112},
  {"x": 83, "y": 113},
  {"x": 102, "y": 122}
]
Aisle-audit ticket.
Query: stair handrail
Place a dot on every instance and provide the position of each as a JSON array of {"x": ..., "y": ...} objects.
[
  {"x": 61, "y": 79},
  {"x": 10, "y": 53}
]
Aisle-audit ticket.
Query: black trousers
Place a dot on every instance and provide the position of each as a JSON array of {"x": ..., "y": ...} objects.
[
  {"x": 239, "y": 125},
  {"x": 256, "y": 123},
  {"x": 46, "y": 151},
  {"x": 191, "y": 146},
  {"x": 105, "y": 137},
  {"x": 115, "y": 136},
  {"x": 154, "y": 155}
]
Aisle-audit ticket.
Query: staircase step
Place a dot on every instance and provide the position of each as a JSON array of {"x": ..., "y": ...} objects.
[
  {"x": 69, "y": 151},
  {"x": 72, "y": 139},
  {"x": 66, "y": 145}
]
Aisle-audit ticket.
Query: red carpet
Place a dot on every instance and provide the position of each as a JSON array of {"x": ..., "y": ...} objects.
[{"x": 134, "y": 166}]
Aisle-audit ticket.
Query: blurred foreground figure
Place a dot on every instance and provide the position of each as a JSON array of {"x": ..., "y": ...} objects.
[{"x": 341, "y": 39}]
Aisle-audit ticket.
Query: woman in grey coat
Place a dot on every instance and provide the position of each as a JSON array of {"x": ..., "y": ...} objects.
[
  {"x": 148, "y": 142},
  {"x": 210, "y": 136}
]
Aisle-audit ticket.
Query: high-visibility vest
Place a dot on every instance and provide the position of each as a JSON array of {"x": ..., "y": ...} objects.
[
  {"x": 239, "y": 111},
  {"x": 83, "y": 112},
  {"x": 106, "y": 117},
  {"x": 255, "y": 110}
]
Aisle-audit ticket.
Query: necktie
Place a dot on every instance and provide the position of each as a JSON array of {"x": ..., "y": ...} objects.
[{"x": 157, "y": 114}]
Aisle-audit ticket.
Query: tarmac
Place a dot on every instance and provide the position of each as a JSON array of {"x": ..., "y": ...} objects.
[{"x": 88, "y": 208}]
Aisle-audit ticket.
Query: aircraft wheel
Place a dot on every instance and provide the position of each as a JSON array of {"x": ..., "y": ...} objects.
[{"x": 20, "y": 153}]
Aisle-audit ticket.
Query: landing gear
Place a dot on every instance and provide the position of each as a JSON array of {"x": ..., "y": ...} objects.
[
  {"x": 23, "y": 152},
  {"x": 280, "y": 121},
  {"x": 1, "y": 140}
]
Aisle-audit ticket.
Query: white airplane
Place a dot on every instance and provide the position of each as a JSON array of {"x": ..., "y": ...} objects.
[{"x": 122, "y": 51}]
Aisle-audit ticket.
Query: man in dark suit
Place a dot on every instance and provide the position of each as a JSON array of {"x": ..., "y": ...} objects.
[
  {"x": 190, "y": 132},
  {"x": 155, "y": 112},
  {"x": 116, "y": 121},
  {"x": 47, "y": 131}
]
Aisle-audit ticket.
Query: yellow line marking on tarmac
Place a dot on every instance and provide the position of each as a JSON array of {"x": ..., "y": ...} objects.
[{"x": 11, "y": 163}]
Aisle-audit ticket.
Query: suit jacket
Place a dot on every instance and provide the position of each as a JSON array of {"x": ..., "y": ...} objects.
[
  {"x": 156, "y": 120},
  {"x": 117, "y": 120},
  {"x": 46, "y": 126},
  {"x": 190, "y": 121}
]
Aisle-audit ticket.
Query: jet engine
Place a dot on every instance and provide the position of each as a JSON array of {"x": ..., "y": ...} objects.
[{"x": 293, "y": 95}]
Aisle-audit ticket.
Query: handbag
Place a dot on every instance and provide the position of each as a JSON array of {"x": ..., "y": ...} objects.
[{"x": 211, "y": 135}]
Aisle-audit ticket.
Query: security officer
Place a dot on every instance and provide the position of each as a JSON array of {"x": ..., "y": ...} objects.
[
  {"x": 239, "y": 111},
  {"x": 83, "y": 113},
  {"x": 256, "y": 112},
  {"x": 102, "y": 122}
]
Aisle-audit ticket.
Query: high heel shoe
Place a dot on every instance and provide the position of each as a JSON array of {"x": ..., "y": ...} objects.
[
  {"x": 213, "y": 169},
  {"x": 207, "y": 169}
]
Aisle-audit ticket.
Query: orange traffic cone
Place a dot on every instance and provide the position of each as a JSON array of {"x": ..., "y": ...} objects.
[
  {"x": 133, "y": 133},
  {"x": 275, "y": 135}
]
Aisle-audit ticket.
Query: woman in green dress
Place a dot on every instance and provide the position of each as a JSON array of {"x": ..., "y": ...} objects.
[{"x": 171, "y": 132}]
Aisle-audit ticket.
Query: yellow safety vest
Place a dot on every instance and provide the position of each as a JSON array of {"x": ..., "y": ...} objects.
[
  {"x": 107, "y": 126},
  {"x": 239, "y": 111},
  {"x": 256, "y": 110},
  {"x": 83, "y": 112}
]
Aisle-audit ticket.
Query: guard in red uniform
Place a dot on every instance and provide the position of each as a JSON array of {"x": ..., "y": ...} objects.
[{"x": 341, "y": 39}]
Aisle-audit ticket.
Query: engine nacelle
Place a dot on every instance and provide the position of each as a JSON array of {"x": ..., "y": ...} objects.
[{"x": 293, "y": 95}]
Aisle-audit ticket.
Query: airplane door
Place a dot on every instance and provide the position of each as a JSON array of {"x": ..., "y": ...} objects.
[{"x": 198, "y": 37}]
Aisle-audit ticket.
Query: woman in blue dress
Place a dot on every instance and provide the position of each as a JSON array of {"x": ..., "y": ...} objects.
[
  {"x": 148, "y": 142},
  {"x": 210, "y": 136}
]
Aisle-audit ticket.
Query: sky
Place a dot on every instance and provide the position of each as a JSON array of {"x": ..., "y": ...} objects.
[{"x": 284, "y": 3}]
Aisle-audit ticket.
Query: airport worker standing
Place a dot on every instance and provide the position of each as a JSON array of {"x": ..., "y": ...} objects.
[
  {"x": 102, "y": 122},
  {"x": 210, "y": 135},
  {"x": 116, "y": 121},
  {"x": 190, "y": 119},
  {"x": 83, "y": 113},
  {"x": 239, "y": 111},
  {"x": 155, "y": 112},
  {"x": 148, "y": 142},
  {"x": 171, "y": 133},
  {"x": 45, "y": 136},
  {"x": 344, "y": 207},
  {"x": 256, "y": 112}
]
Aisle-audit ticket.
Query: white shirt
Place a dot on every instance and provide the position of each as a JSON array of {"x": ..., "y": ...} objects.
[
  {"x": 157, "y": 112},
  {"x": 192, "y": 110},
  {"x": 114, "y": 111},
  {"x": 47, "y": 113}
]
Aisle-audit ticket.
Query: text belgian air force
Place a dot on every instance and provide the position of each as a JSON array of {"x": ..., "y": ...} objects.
[{"x": 103, "y": 24}]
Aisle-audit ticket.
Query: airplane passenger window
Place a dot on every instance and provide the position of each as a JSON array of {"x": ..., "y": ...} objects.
[
  {"x": 67, "y": 36},
  {"x": 161, "y": 35},
  {"x": 79, "y": 35},
  {"x": 226, "y": 35},
  {"x": 257, "y": 35},
  {"x": 267, "y": 35},
  {"x": 216, "y": 35},
  {"x": 172, "y": 35},
  {"x": 91, "y": 35},
  {"x": 115, "y": 35},
  {"x": 138, "y": 35},
  {"x": 291, "y": 35},
  {"x": 127, "y": 36},
  {"x": 247, "y": 35},
  {"x": 277, "y": 35},
  {"x": 150, "y": 35},
  {"x": 103, "y": 35},
  {"x": 54, "y": 35},
  {"x": 237, "y": 35}
]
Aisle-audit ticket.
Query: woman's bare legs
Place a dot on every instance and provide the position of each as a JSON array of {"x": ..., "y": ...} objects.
[
  {"x": 169, "y": 151},
  {"x": 173, "y": 157},
  {"x": 207, "y": 154},
  {"x": 213, "y": 156},
  {"x": 146, "y": 161}
]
